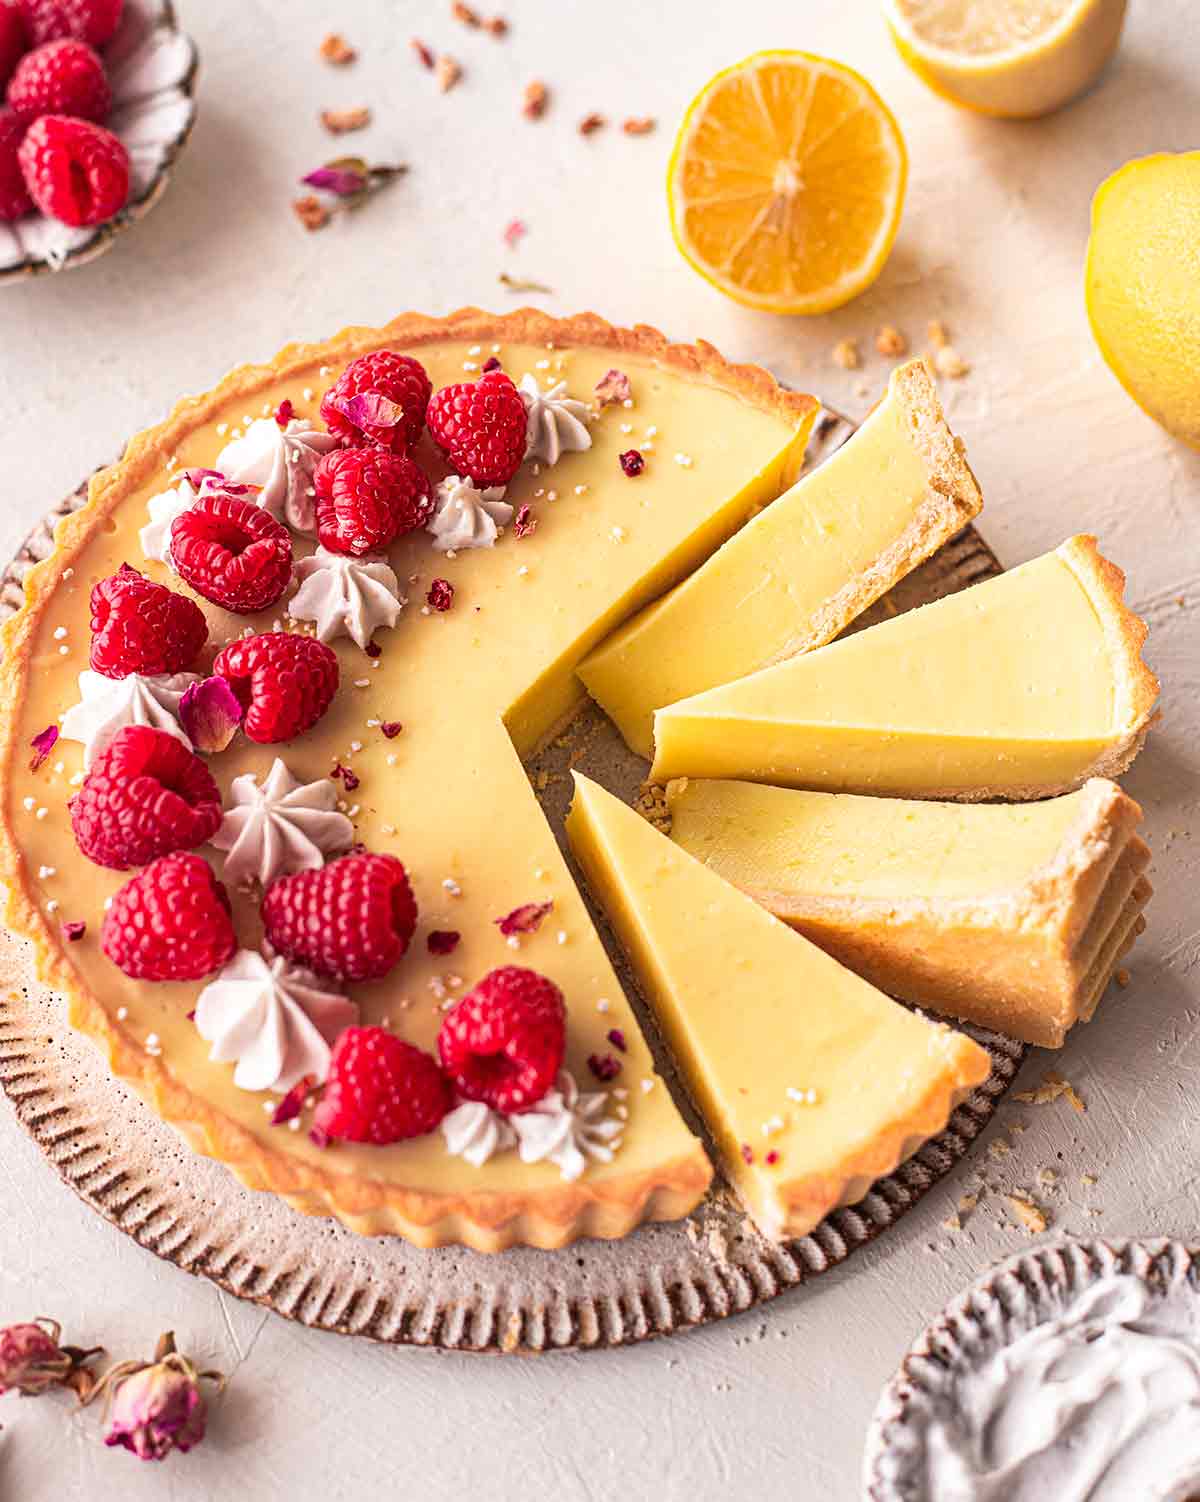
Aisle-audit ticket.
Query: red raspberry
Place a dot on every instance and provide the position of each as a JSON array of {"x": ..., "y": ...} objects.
[
  {"x": 232, "y": 552},
  {"x": 480, "y": 427},
  {"x": 142, "y": 627},
  {"x": 92, "y": 21},
  {"x": 380, "y": 1090},
  {"x": 75, "y": 171},
  {"x": 350, "y": 920},
  {"x": 14, "y": 196},
  {"x": 367, "y": 497},
  {"x": 284, "y": 682},
  {"x": 145, "y": 796},
  {"x": 379, "y": 398},
  {"x": 503, "y": 1043},
  {"x": 13, "y": 42},
  {"x": 61, "y": 78},
  {"x": 170, "y": 922}
]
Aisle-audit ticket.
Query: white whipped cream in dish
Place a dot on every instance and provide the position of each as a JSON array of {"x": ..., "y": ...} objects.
[
  {"x": 281, "y": 461},
  {"x": 280, "y": 826},
  {"x": 1101, "y": 1404},
  {"x": 107, "y": 705},
  {"x": 346, "y": 596},
  {"x": 273, "y": 1019},
  {"x": 555, "y": 422},
  {"x": 466, "y": 517}
]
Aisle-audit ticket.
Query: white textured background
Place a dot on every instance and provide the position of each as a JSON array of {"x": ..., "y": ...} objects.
[{"x": 773, "y": 1404}]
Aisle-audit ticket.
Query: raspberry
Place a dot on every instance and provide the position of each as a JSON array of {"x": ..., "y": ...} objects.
[
  {"x": 503, "y": 1043},
  {"x": 92, "y": 21},
  {"x": 13, "y": 42},
  {"x": 396, "y": 391},
  {"x": 145, "y": 796},
  {"x": 380, "y": 1090},
  {"x": 367, "y": 497},
  {"x": 14, "y": 196},
  {"x": 75, "y": 171},
  {"x": 232, "y": 552},
  {"x": 142, "y": 627},
  {"x": 480, "y": 426},
  {"x": 61, "y": 78},
  {"x": 350, "y": 920},
  {"x": 284, "y": 682},
  {"x": 170, "y": 922}
]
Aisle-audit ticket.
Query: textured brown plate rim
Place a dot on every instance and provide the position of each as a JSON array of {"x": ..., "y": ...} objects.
[{"x": 131, "y": 1168}]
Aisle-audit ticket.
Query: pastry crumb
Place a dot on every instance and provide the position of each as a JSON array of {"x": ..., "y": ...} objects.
[
  {"x": 468, "y": 17},
  {"x": 845, "y": 353},
  {"x": 937, "y": 333},
  {"x": 1088, "y": 1180},
  {"x": 337, "y": 50},
  {"x": 1047, "y": 1178},
  {"x": 447, "y": 70},
  {"x": 952, "y": 1222},
  {"x": 1123, "y": 978},
  {"x": 590, "y": 124},
  {"x": 638, "y": 125},
  {"x": 497, "y": 25},
  {"x": 948, "y": 362},
  {"x": 1053, "y": 1085},
  {"x": 890, "y": 342},
  {"x": 1029, "y": 1213},
  {"x": 342, "y": 122},
  {"x": 651, "y": 803},
  {"x": 311, "y": 212}
]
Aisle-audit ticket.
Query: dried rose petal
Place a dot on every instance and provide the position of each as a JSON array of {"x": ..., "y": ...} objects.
[
  {"x": 373, "y": 649},
  {"x": 514, "y": 232},
  {"x": 341, "y": 122},
  {"x": 638, "y": 125},
  {"x": 491, "y": 363},
  {"x": 311, "y": 212},
  {"x": 617, "y": 1038},
  {"x": 590, "y": 124},
  {"x": 632, "y": 463},
  {"x": 441, "y": 595},
  {"x": 613, "y": 387},
  {"x": 196, "y": 478},
  {"x": 284, "y": 413},
  {"x": 525, "y": 919},
  {"x": 75, "y": 931},
  {"x": 443, "y": 940},
  {"x": 772, "y": 1158},
  {"x": 210, "y": 713},
  {"x": 343, "y": 182},
  {"x": 42, "y": 743},
  {"x": 604, "y": 1066},
  {"x": 369, "y": 409},
  {"x": 526, "y": 523},
  {"x": 293, "y": 1102},
  {"x": 156, "y": 1407},
  {"x": 318, "y": 1136},
  {"x": 391, "y": 728},
  {"x": 747, "y": 1153},
  {"x": 424, "y": 54},
  {"x": 349, "y": 779}
]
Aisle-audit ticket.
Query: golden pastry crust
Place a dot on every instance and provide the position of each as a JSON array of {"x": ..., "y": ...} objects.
[{"x": 544, "y": 1217}]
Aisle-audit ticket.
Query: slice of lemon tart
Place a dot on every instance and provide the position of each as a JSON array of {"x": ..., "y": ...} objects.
[
  {"x": 1020, "y": 687},
  {"x": 1012, "y": 916},
  {"x": 264, "y": 813},
  {"x": 803, "y": 569},
  {"x": 812, "y": 1082}
]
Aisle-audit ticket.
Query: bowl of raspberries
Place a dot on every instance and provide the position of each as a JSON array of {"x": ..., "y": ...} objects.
[{"x": 96, "y": 102}]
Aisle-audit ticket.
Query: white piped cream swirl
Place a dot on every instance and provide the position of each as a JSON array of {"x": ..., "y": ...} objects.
[
  {"x": 107, "y": 705},
  {"x": 273, "y": 1020},
  {"x": 465, "y": 517},
  {"x": 346, "y": 596},
  {"x": 555, "y": 422},
  {"x": 568, "y": 1129},
  {"x": 281, "y": 461},
  {"x": 280, "y": 826},
  {"x": 475, "y": 1132}
]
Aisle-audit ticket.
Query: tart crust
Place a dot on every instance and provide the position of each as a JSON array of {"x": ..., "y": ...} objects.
[{"x": 487, "y": 1221}]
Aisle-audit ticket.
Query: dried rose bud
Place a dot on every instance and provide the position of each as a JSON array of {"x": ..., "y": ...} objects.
[
  {"x": 159, "y": 1406},
  {"x": 32, "y": 1360}
]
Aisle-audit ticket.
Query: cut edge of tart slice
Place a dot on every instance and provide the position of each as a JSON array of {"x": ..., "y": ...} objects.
[
  {"x": 1023, "y": 686},
  {"x": 803, "y": 569},
  {"x": 812, "y": 1083},
  {"x": 998, "y": 914}
]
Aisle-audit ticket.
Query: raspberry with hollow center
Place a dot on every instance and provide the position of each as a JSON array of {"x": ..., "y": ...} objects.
[
  {"x": 232, "y": 552},
  {"x": 481, "y": 427},
  {"x": 170, "y": 922},
  {"x": 379, "y": 398},
  {"x": 61, "y": 78},
  {"x": 15, "y": 201},
  {"x": 380, "y": 1090},
  {"x": 75, "y": 171},
  {"x": 368, "y": 497},
  {"x": 285, "y": 682},
  {"x": 139, "y": 626},
  {"x": 91, "y": 21},
  {"x": 503, "y": 1043},
  {"x": 146, "y": 795},
  {"x": 350, "y": 920}
]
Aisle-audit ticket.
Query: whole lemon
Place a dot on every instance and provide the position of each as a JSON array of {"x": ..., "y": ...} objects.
[{"x": 1143, "y": 285}]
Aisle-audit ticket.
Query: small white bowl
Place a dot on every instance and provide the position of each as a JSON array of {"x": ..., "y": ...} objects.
[{"x": 151, "y": 65}]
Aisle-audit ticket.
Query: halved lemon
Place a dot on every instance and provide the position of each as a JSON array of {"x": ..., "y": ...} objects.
[
  {"x": 786, "y": 183},
  {"x": 1017, "y": 58}
]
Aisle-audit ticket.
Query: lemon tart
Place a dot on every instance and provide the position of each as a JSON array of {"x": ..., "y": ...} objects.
[
  {"x": 801, "y": 570},
  {"x": 455, "y": 653},
  {"x": 812, "y": 1082},
  {"x": 1020, "y": 687},
  {"x": 1012, "y": 916}
]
